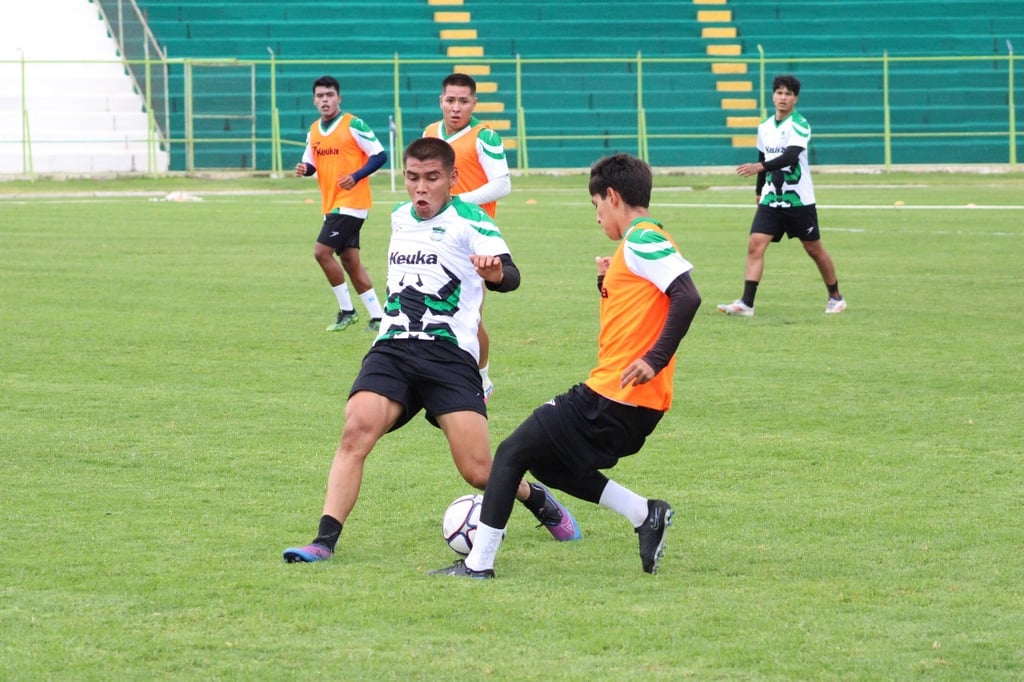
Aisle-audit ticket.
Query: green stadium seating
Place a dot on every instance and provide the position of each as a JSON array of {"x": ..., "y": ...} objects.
[{"x": 577, "y": 110}]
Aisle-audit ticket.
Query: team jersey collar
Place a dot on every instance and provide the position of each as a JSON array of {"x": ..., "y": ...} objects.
[
  {"x": 778, "y": 122},
  {"x": 447, "y": 135},
  {"x": 326, "y": 127}
]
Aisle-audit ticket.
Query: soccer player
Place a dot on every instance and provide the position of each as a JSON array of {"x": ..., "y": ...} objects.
[
  {"x": 443, "y": 252},
  {"x": 483, "y": 169},
  {"x": 648, "y": 301},
  {"x": 343, "y": 152},
  {"x": 785, "y": 196}
]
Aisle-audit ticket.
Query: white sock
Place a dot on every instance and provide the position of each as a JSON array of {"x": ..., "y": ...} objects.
[
  {"x": 372, "y": 304},
  {"x": 485, "y": 547},
  {"x": 484, "y": 378},
  {"x": 344, "y": 299},
  {"x": 626, "y": 502}
]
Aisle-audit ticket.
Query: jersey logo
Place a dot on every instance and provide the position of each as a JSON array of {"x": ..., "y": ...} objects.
[
  {"x": 418, "y": 258},
  {"x": 324, "y": 151}
]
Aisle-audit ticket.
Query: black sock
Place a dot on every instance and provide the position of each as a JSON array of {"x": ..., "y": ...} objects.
[
  {"x": 328, "y": 533},
  {"x": 833, "y": 289},
  {"x": 749, "y": 292},
  {"x": 538, "y": 498}
]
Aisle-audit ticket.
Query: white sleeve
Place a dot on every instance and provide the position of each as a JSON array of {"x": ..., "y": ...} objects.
[
  {"x": 490, "y": 152},
  {"x": 650, "y": 255},
  {"x": 494, "y": 189},
  {"x": 307, "y": 156}
]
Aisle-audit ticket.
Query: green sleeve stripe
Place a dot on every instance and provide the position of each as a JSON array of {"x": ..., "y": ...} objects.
[
  {"x": 494, "y": 155},
  {"x": 654, "y": 255},
  {"x": 485, "y": 232},
  {"x": 646, "y": 237}
]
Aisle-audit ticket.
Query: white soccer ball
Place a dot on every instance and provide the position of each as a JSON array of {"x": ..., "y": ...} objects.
[{"x": 458, "y": 526}]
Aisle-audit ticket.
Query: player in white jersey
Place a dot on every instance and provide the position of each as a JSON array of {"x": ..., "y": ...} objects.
[
  {"x": 433, "y": 289},
  {"x": 443, "y": 253},
  {"x": 785, "y": 195}
]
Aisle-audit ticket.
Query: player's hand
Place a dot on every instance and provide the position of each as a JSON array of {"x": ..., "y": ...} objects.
[
  {"x": 347, "y": 182},
  {"x": 488, "y": 267},
  {"x": 638, "y": 372},
  {"x": 603, "y": 262},
  {"x": 749, "y": 169},
  {"x": 300, "y": 169}
]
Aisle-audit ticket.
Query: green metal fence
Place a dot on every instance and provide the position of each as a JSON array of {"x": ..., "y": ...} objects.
[{"x": 899, "y": 117}]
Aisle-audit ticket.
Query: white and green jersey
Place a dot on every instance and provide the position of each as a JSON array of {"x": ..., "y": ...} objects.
[
  {"x": 433, "y": 290},
  {"x": 789, "y": 186}
]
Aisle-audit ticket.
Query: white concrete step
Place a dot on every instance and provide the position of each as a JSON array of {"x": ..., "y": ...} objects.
[{"x": 84, "y": 113}]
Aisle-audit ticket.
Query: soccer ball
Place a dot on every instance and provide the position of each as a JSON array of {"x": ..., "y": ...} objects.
[{"x": 458, "y": 526}]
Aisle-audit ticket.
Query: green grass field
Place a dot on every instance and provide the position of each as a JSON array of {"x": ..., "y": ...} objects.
[{"x": 848, "y": 488}]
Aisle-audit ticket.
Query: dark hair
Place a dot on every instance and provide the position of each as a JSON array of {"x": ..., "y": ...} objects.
[
  {"x": 786, "y": 81},
  {"x": 427, "y": 148},
  {"x": 327, "y": 82},
  {"x": 627, "y": 175},
  {"x": 460, "y": 79}
]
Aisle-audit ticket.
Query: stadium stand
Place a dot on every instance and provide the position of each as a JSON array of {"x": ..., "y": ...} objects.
[
  {"x": 234, "y": 94},
  {"x": 698, "y": 86},
  {"x": 591, "y": 108},
  {"x": 844, "y": 99}
]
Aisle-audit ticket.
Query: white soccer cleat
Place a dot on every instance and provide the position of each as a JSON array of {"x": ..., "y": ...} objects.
[
  {"x": 737, "y": 308},
  {"x": 835, "y": 305}
]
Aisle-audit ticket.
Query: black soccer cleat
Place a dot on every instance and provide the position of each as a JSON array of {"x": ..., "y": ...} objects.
[
  {"x": 460, "y": 570},
  {"x": 651, "y": 533}
]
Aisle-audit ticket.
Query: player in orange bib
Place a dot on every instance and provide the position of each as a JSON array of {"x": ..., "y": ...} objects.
[
  {"x": 483, "y": 169},
  {"x": 343, "y": 152},
  {"x": 648, "y": 301}
]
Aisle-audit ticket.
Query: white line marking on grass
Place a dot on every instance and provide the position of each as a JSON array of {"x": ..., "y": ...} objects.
[
  {"x": 935, "y": 233},
  {"x": 858, "y": 207},
  {"x": 25, "y": 196},
  {"x": 927, "y": 207}
]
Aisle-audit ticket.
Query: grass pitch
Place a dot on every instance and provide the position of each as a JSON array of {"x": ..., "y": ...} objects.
[{"x": 848, "y": 488}]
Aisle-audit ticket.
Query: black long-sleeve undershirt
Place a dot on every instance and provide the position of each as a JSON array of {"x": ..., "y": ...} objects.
[
  {"x": 683, "y": 302},
  {"x": 789, "y": 156},
  {"x": 510, "y": 276}
]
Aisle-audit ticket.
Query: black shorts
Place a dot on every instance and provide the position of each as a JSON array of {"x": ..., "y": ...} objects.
[
  {"x": 586, "y": 431},
  {"x": 340, "y": 231},
  {"x": 795, "y": 221},
  {"x": 435, "y": 376}
]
